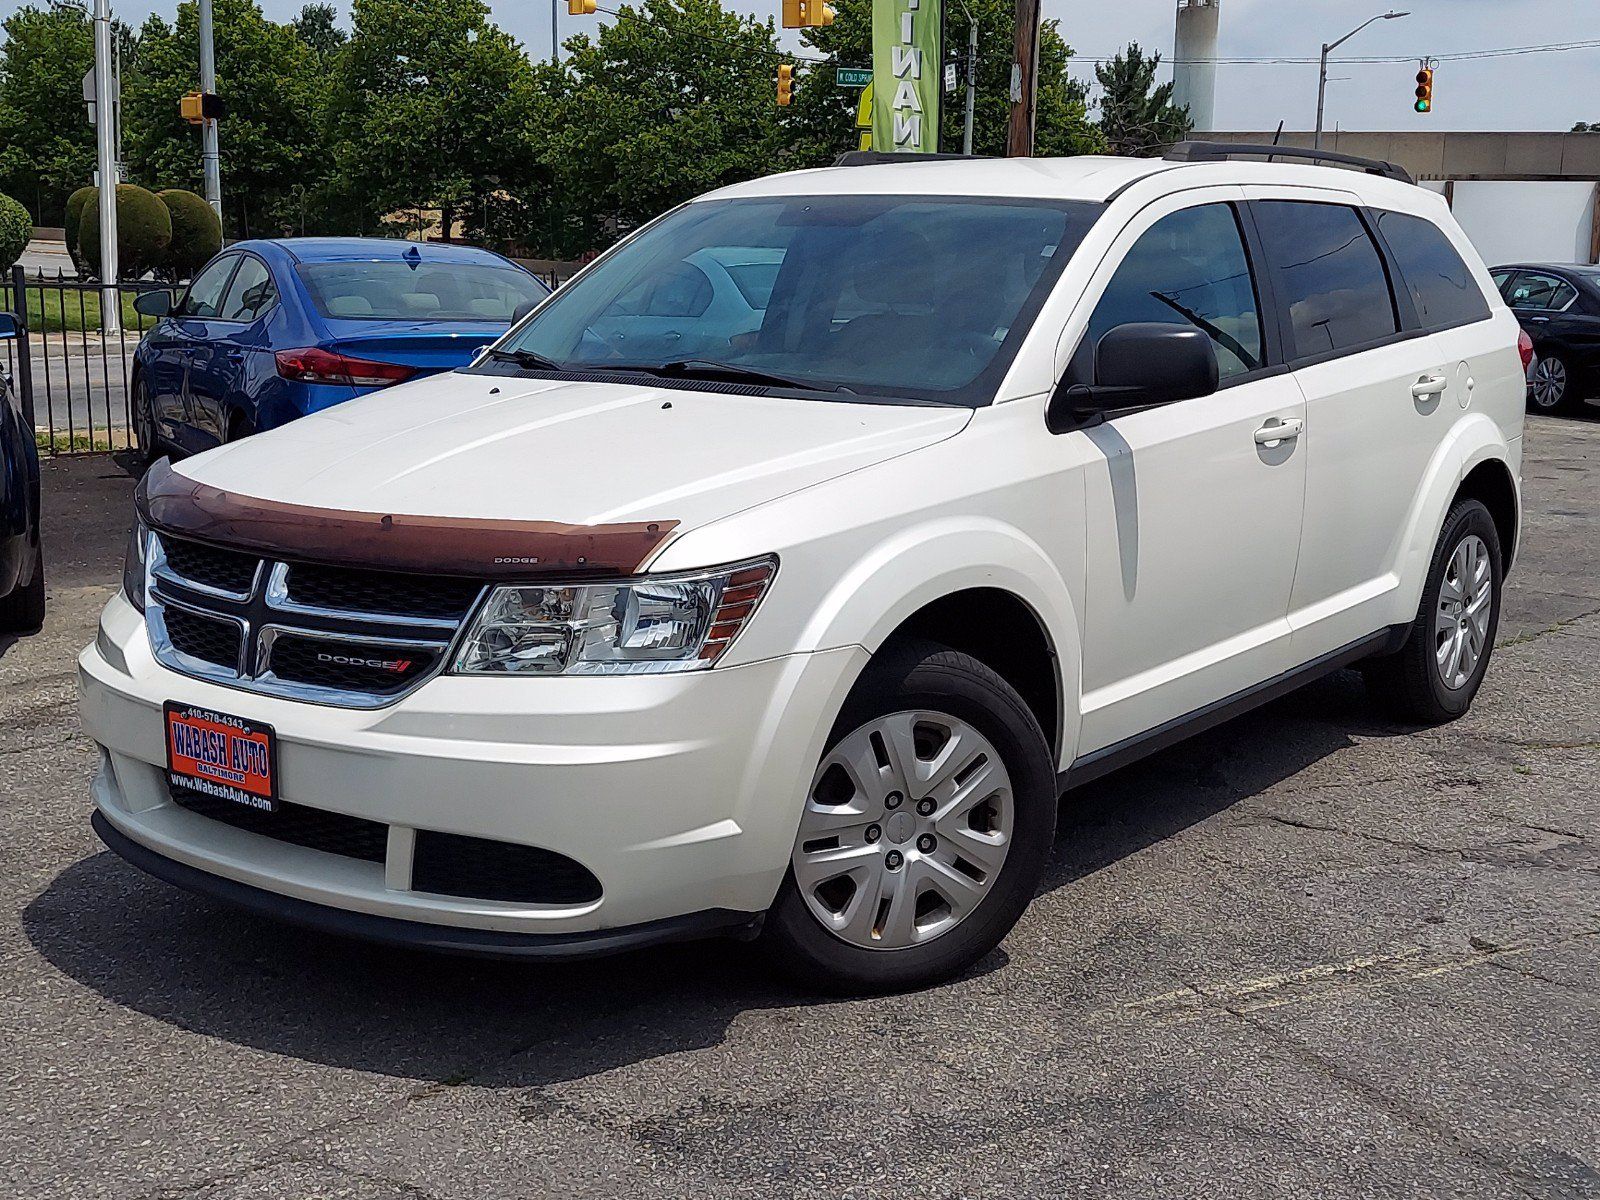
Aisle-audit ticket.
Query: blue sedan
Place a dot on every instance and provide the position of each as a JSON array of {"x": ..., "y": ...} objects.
[{"x": 271, "y": 330}]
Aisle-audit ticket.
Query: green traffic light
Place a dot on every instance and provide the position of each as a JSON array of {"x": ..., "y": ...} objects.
[{"x": 1423, "y": 106}]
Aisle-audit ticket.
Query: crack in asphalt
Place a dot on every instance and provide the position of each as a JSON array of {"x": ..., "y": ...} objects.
[{"x": 1522, "y": 639}]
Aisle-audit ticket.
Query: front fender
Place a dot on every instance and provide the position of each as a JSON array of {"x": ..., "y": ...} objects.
[
  {"x": 901, "y": 574},
  {"x": 1476, "y": 439}
]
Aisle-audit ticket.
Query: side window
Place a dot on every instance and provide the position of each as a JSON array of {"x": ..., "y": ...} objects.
[
  {"x": 204, "y": 298},
  {"x": 1440, "y": 283},
  {"x": 251, "y": 293},
  {"x": 1189, "y": 268},
  {"x": 1501, "y": 279},
  {"x": 1540, "y": 293},
  {"x": 1328, "y": 275}
]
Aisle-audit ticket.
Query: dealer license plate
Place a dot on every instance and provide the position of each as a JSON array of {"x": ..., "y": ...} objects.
[{"x": 229, "y": 758}]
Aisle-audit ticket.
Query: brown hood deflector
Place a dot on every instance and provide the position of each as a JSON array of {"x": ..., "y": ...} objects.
[{"x": 472, "y": 547}]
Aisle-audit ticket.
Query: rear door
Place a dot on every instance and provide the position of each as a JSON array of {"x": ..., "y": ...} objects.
[
  {"x": 1194, "y": 519},
  {"x": 1375, "y": 390}
]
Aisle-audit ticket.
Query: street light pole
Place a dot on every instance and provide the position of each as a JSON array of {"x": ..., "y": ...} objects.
[
  {"x": 972, "y": 77},
  {"x": 105, "y": 136},
  {"x": 208, "y": 128},
  {"x": 1322, "y": 72}
]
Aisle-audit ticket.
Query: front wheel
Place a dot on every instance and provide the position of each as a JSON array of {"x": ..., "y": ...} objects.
[
  {"x": 144, "y": 425},
  {"x": 1435, "y": 675},
  {"x": 925, "y": 831}
]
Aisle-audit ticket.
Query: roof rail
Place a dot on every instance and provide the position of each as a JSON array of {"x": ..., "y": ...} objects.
[
  {"x": 871, "y": 158},
  {"x": 1224, "y": 151}
]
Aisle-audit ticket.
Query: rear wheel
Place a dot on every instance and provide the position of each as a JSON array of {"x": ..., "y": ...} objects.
[
  {"x": 1435, "y": 675},
  {"x": 925, "y": 832},
  {"x": 1551, "y": 388}
]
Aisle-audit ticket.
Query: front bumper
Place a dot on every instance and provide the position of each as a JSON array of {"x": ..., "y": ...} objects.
[{"x": 681, "y": 793}]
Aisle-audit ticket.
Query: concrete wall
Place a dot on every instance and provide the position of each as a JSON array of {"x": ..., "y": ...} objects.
[
  {"x": 1460, "y": 155},
  {"x": 1521, "y": 197}
]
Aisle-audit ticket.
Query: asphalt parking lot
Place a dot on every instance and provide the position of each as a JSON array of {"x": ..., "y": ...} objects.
[{"x": 1307, "y": 954}]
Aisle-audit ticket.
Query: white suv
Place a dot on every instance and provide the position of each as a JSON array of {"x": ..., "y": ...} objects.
[{"x": 795, "y": 617}]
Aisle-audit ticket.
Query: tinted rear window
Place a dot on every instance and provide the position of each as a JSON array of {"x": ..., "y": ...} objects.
[
  {"x": 1328, "y": 275},
  {"x": 1440, "y": 284},
  {"x": 396, "y": 290}
]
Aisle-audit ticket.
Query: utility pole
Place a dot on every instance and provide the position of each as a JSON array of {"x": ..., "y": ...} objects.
[
  {"x": 105, "y": 137},
  {"x": 555, "y": 42},
  {"x": 1024, "y": 81},
  {"x": 1322, "y": 73},
  {"x": 208, "y": 128}
]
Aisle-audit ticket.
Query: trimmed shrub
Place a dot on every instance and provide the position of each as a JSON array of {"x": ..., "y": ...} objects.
[
  {"x": 16, "y": 227},
  {"x": 196, "y": 235},
  {"x": 75, "y": 204},
  {"x": 144, "y": 231}
]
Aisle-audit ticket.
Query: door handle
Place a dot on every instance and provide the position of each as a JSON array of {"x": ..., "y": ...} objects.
[
  {"x": 1283, "y": 431},
  {"x": 1431, "y": 386}
]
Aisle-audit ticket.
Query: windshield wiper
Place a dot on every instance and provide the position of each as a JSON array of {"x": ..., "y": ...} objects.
[
  {"x": 709, "y": 369},
  {"x": 526, "y": 358}
]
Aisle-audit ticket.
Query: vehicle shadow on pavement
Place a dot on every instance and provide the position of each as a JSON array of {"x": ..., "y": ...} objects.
[{"x": 203, "y": 967}]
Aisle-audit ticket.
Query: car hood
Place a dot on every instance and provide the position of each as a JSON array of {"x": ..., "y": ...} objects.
[{"x": 503, "y": 448}]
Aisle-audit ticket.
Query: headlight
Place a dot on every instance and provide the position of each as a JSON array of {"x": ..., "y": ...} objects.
[
  {"x": 639, "y": 626},
  {"x": 133, "y": 564}
]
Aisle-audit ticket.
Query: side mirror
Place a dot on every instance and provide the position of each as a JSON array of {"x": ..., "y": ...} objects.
[
  {"x": 153, "y": 304},
  {"x": 1135, "y": 366},
  {"x": 8, "y": 326},
  {"x": 522, "y": 310}
]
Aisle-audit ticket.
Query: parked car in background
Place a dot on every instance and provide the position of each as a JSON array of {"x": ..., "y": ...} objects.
[
  {"x": 21, "y": 557},
  {"x": 271, "y": 330},
  {"x": 1029, "y": 467},
  {"x": 1558, "y": 304}
]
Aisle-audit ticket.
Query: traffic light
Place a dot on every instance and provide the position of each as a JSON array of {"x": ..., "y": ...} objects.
[
  {"x": 580, "y": 8},
  {"x": 785, "y": 84},
  {"x": 806, "y": 14},
  {"x": 1424, "y": 90}
]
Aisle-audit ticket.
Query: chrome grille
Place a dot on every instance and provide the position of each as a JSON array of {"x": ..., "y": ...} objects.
[{"x": 328, "y": 635}]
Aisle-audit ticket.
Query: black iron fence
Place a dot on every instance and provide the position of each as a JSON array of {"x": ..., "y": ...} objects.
[{"x": 72, "y": 374}]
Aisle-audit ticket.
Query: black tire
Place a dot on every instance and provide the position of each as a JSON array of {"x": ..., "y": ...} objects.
[
  {"x": 1543, "y": 394},
  {"x": 144, "y": 441},
  {"x": 23, "y": 610},
  {"x": 239, "y": 428},
  {"x": 1408, "y": 684},
  {"x": 925, "y": 675}
]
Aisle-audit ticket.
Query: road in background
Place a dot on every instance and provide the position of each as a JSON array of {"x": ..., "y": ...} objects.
[{"x": 1307, "y": 954}]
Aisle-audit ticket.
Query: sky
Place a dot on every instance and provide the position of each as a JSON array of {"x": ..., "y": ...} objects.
[{"x": 1522, "y": 92}]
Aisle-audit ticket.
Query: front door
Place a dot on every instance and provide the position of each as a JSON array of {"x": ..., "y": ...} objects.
[
  {"x": 1194, "y": 518},
  {"x": 186, "y": 333},
  {"x": 218, "y": 402}
]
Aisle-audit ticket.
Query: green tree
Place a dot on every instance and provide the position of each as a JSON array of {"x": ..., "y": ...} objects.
[
  {"x": 1137, "y": 115},
  {"x": 429, "y": 108},
  {"x": 270, "y": 142},
  {"x": 824, "y": 115},
  {"x": 673, "y": 98},
  {"x": 46, "y": 141},
  {"x": 318, "y": 27}
]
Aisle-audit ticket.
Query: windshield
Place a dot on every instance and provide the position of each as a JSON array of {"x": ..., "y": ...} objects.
[
  {"x": 918, "y": 298},
  {"x": 397, "y": 290}
]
